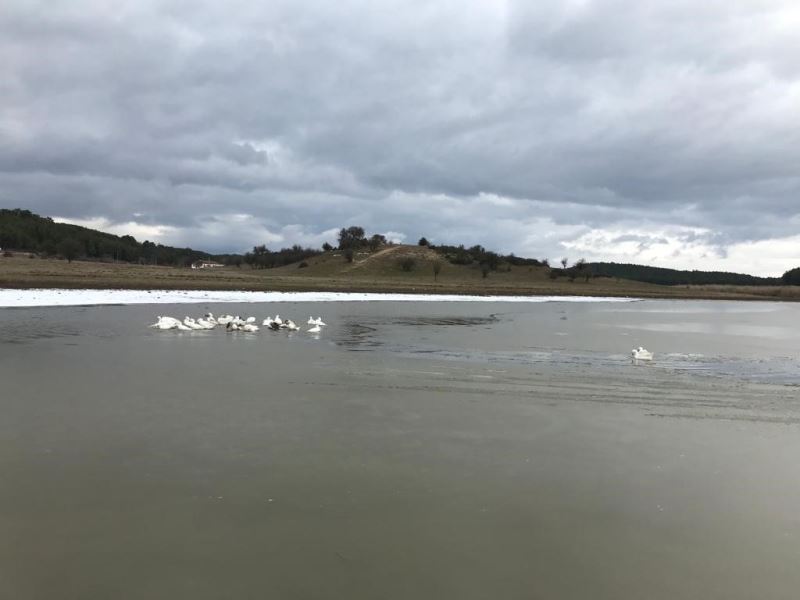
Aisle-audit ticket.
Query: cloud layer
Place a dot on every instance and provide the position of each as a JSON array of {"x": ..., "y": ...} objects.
[{"x": 661, "y": 132}]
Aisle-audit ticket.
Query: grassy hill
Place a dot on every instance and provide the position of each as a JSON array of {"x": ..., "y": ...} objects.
[{"x": 377, "y": 271}]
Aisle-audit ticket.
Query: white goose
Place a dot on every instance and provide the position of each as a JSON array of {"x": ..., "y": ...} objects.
[
  {"x": 191, "y": 323},
  {"x": 206, "y": 324},
  {"x": 315, "y": 329},
  {"x": 290, "y": 325},
  {"x": 165, "y": 323},
  {"x": 641, "y": 354}
]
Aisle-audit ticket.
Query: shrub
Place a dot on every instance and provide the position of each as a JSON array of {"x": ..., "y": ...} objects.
[
  {"x": 407, "y": 263},
  {"x": 7, "y": 254},
  {"x": 348, "y": 255},
  {"x": 302, "y": 265},
  {"x": 423, "y": 242},
  {"x": 376, "y": 241},
  {"x": 437, "y": 268}
]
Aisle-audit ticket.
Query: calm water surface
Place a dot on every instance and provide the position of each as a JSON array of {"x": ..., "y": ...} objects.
[{"x": 446, "y": 450}]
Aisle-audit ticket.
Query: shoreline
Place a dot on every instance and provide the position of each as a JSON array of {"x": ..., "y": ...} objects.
[
  {"x": 54, "y": 297},
  {"x": 382, "y": 289}
]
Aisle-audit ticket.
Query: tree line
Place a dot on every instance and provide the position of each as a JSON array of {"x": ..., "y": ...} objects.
[
  {"x": 25, "y": 231},
  {"x": 262, "y": 257},
  {"x": 662, "y": 276}
]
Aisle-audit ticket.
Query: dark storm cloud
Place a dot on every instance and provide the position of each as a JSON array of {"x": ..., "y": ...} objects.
[{"x": 672, "y": 122}]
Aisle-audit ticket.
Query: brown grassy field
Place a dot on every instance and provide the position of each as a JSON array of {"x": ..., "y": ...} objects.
[{"x": 369, "y": 272}]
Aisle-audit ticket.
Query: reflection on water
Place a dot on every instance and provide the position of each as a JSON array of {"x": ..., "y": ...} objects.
[
  {"x": 420, "y": 321},
  {"x": 443, "y": 337},
  {"x": 737, "y": 329},
  {"x": 35, "y": 329},
  {"x": 357, "y": 336}
]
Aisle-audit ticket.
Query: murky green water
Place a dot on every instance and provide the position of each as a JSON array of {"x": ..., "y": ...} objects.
[{"x": 411, "y": 451}]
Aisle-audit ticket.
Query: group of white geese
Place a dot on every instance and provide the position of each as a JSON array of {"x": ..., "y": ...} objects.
[{"x": 231, "y": 323}]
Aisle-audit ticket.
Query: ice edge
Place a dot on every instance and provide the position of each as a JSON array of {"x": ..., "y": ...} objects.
[{"x": 61, "y": 297}]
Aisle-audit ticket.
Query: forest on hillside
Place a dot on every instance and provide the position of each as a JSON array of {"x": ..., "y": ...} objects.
[
  {"x": 662, "y": 276},
  {"x": 22, "y": 230}
]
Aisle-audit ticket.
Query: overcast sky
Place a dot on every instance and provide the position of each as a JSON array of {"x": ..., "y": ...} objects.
[{"x": 663, "y": 133}]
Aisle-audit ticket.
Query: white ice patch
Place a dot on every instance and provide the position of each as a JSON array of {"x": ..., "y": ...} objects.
[{"x": 57, "y": 297}]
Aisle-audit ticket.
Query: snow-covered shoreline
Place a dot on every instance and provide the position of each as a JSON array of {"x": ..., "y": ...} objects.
[{"x": 61, "y": 297}]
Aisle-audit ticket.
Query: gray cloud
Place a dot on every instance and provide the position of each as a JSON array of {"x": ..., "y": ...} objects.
[{"x": 522, "y": 126}]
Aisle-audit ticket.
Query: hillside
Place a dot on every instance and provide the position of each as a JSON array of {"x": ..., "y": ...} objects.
[
  {"x": 377, "y": 271},
  {"x": 380, "y": 263},
  {"x": 364, "y": 263},
  {"x": 662, "y": 276},
  {"x": 22, "y": 230}
]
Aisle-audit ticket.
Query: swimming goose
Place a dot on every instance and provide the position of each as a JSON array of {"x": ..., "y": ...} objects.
[
  {"x": 320, "y": 322},
  {"x": 250, "y": 320},
  {"x": 206, "y": 324},
  {"x": 278, "y": 320},
  {"x": 165, "y": 323},
  {"x": 290, "y": 325},
  {"x": 641, "y": 354},
  {"x": 315, "y": 329},
  {"x": 249, "y": 327},
  {"x": 191, "y": 323}
]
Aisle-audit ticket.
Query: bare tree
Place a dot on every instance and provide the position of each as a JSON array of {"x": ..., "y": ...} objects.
[
  {"x": 437, "y": 268},
  {"x": 582, "y": 270}
]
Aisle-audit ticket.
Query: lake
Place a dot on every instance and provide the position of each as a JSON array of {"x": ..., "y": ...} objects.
[{"x": 411, "y": 450}]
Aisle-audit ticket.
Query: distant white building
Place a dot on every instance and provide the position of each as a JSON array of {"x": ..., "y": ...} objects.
[{"x": 203, "y": 264}]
